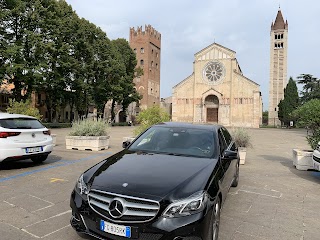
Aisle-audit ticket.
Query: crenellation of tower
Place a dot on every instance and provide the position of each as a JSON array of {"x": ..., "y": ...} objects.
[{"x": 148, "y": 32}]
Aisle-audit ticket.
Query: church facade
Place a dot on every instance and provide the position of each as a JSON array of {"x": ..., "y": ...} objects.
[{"x": 217, "y": 92}]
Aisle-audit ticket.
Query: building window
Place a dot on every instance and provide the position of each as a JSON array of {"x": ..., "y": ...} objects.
[
  {"x": 240, "y": 100},
  {"x": 157, "y": 65},
  {"x": 141, "y": 62},
  {"x": 135, "y": 50},
  {"x": 151, "y": 63},
  {"x": 142, "y": 50},
  {"x": 152, "y": 51},
  {"x": 157, "y": 55}
]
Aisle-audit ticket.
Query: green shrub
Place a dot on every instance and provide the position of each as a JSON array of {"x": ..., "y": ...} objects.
[
  {"x": 24, "y": 108},
  {"x": 88, "y": 127},
  {"x": 149, "y": 117},
  {"x": 308, "y": 116},
  {"x": 241, "y": 137}
]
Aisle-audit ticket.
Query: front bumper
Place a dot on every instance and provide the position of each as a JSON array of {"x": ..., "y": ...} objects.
[{"x": 85, "y": 221}]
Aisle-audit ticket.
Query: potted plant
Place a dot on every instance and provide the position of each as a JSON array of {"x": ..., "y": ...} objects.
[
  {"x": 243, "y": 141},
  {"x": 308, "y": 116},
  {"x": 88, "y": 135}
]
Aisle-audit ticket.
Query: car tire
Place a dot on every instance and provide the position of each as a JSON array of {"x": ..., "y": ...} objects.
[
  {"x": 39, "y": 159},
  {"x": 213, "y": 233},
  {"x": 236, "y": 177}
]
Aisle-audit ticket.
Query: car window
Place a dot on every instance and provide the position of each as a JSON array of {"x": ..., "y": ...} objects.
[
  {"x": 227, "y": 136},
  {"x": 20, "y": 123},
  {"x": 176, "y": 141},
  {"x": 222, "y": 142},
  {"x": 146, "y": 139}
]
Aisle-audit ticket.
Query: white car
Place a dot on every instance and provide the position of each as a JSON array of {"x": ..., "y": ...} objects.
[
  {"x": 316, "y": 158},
  {"x": 23, "y": 137}
]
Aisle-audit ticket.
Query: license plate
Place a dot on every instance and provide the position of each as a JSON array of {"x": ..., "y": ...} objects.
[
  {"x": 34, "y": 149},
  {"x": 115, "y": 229}
]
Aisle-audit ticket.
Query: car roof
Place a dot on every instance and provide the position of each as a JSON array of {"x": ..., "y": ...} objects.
[
  {"x": 209, "y": 127},
  {"x": 12, "y": 115}
]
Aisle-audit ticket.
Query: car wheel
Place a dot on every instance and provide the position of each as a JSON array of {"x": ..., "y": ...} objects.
[
  {"x": 39, "y": 159},
  {"x": 236, "y": 178},
  {"x": 215, "y": 221}
]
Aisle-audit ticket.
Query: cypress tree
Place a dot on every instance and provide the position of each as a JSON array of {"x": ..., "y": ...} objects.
[{"x": 289, "y": 103}]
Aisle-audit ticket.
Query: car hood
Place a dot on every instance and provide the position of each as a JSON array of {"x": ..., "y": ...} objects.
[{"x": 152, "y": 176}]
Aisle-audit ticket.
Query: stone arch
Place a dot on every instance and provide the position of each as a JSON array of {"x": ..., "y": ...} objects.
[
  {"x": 211, "y": 103},
  {"x": 121, "y": 116}
]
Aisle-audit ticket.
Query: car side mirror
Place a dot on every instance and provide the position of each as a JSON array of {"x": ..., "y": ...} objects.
[
  {"x": 126, "y": 144},
  {"x": 228, "y": 154}
]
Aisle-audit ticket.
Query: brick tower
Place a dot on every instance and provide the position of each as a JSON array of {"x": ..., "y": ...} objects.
[
  {"x": 278, "y": 66},
  {"x": 147, "y": 46}
]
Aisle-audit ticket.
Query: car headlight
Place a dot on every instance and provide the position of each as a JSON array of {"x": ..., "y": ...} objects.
[
  {"x": 191, "y": 205},
  {"x": 82, "y": 186}
]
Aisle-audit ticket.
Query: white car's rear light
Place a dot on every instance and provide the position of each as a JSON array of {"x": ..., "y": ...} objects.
[
  {"x": 9, "y": 134},
  {"x": 47, "y": 132}
]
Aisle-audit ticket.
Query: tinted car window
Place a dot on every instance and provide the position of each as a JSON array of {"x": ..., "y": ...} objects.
[
  {"x": 176, "y": 141},
  {"x": 20, "y": 123},
  {"x": 222, "y": 142},
  {"x": 227, "y": 136}
]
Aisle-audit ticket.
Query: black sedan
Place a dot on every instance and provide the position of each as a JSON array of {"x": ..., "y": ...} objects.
[{"x": 169, "y": 183}]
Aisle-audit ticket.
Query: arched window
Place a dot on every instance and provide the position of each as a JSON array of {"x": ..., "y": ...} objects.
[
  {"x": 141, "y": 50},
  {"x": 141, "y": 62}
]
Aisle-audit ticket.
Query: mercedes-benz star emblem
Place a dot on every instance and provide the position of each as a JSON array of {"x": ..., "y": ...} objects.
[{"x": 116, "y": 208}]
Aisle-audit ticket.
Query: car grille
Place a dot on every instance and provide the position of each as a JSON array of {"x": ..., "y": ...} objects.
[{"x": 134, "y": 209}]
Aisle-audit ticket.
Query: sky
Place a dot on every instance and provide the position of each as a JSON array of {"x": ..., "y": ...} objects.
[{"x": 188, "y": 26}]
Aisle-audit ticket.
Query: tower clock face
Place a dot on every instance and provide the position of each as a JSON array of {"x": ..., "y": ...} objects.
[{"x": 214, "y": 72}]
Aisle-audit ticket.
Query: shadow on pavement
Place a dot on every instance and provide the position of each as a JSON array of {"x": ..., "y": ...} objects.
[
  {"x": 310, "y": 175},
  {"x": 23, "y": 164}
]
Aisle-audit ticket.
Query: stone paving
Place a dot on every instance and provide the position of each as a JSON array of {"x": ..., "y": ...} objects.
[{"x": 273, "y": 199}]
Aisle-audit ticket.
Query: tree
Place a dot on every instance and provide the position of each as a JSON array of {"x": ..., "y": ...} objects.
[
  {"x": 311, "y": 87},
  {"x": 265, "y": 115},
  {"x": 308, "y": 115},
  {"x": 289, "y": 103},
  {"x": 151, "y": 116},
  {"x": 23, "y": 107},
  {"x": 19, "y": 35},
  {"x": 128, "y": 92}
]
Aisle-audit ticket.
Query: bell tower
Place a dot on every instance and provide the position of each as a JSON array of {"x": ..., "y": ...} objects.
[{"x": 278, "y": 66}]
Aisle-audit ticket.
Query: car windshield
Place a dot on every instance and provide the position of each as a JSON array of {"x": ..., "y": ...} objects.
[
  {"x": 176, "y": 141},
  {"x": 20, "y": 123}
]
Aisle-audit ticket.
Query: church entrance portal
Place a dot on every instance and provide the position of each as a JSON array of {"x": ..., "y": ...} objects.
[{"x": 212, "y": 106}]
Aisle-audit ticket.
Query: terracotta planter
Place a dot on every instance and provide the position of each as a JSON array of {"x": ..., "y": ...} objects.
[
  {"x": 87, "y": 143},
  {"x": 302, "y": 159},
  {"x": 242, "y": 154}
]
